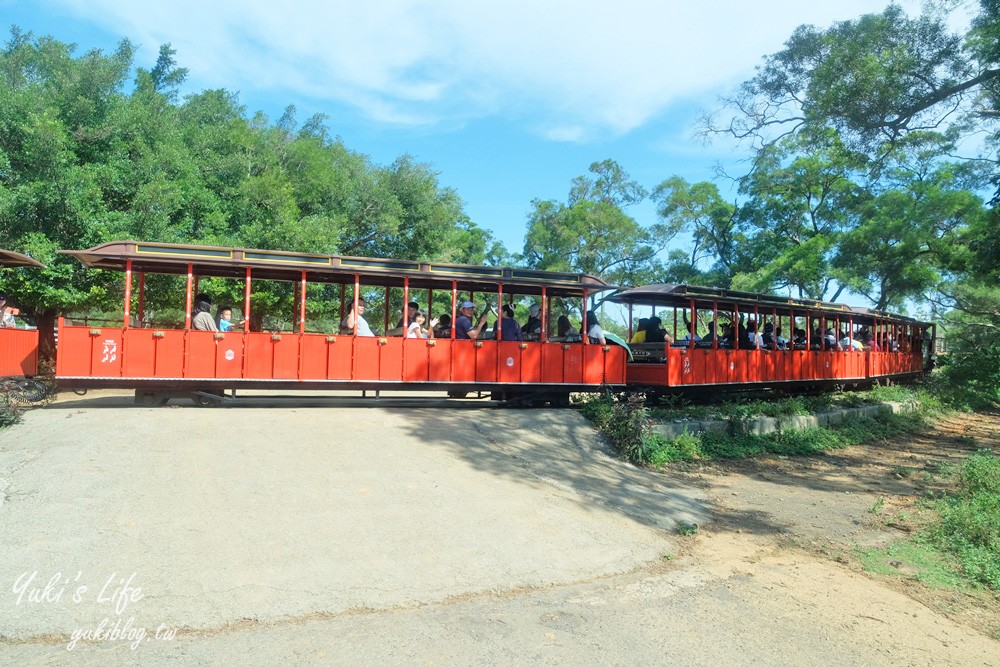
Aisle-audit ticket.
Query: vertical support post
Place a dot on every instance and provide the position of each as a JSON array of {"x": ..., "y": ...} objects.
[
  {"x": 385, "y": 312},
  {"x": 406, "y": 302},
  {"x": 357, "y": 298},
  {"x": 757, "y": 334},
  {"x": 498, "y": 334},
  {"x": 583, "y": 325},
  {"x": 128, "y": 291},
  {"x": 246, "y": 303},
  {"x": 545, "y": 316},
  {"x": 302, "y": 305},
  {"x": 141, "y": 308},
  {"x": 187, "y": 306},
  {"x": 692, "y": 325},
  {"x": 715, "y": 327},
  {"x": 343, "y": 303},
  {"x": 630, "y": 322},
  {"x": 775, "y": 324},
  {"x": 454, "y": 309},
  {"x": 736, "y": 326}
]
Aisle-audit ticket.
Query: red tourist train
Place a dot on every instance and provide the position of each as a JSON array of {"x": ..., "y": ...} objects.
[
  {"x": 162, "y": 359},
  {"x": 155, "y": 358},
  {"x": 741, "y": 342}
]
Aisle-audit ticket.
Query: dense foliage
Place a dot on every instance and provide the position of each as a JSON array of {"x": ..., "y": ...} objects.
[
  {"x": 868, "y": 171},
  {"x": 94, "y": 149}
]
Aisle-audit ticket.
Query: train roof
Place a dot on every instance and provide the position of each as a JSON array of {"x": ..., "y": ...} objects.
[
  {"x": 10, "y": 259},
  {"x": 682, "y": 295},
  {"x": 173, "y": 258}
]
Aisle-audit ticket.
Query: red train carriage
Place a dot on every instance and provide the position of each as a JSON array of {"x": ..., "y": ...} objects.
[
  {"x": 864, "y": 346},
  {"x": 18, "y": 347},
  {"x": 153, "y": 358}
]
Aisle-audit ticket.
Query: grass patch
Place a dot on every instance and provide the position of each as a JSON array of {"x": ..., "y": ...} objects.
[
  {"x": 914, "y": 560},
  {"x": 969, "y": 524}
]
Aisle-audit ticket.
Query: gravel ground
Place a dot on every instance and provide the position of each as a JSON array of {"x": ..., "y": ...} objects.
[{"x": 416, "y": 535}]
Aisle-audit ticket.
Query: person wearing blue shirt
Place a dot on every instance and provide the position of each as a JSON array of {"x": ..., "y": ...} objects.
[
  {"x": 225, "y": 314},
  {"x": 509, "y": 329},
  {"x": 464, "y": 330}
]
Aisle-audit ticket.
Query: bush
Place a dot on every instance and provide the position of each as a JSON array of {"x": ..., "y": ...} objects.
[
  {"x": 971, "y": 380},
  {"x": 9, "y": 414},
  {"x": 659, "y": 450},
  {"x": 969, "y": 526}
]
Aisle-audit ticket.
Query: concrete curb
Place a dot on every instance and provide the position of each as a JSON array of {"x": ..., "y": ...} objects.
[{"x": 765, "y": 425}]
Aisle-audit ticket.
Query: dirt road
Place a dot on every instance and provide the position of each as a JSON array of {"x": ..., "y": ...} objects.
[{"x": 207, "y": 536}]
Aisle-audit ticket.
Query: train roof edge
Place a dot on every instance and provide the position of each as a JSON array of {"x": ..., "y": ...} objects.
[
  {"x": 678, "y": 293},
  {"x": 285, "y": 265}
]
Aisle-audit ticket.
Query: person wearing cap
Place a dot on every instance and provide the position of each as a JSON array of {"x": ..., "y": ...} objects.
[
  {"x": 7, "y": 314},
  {"x": 533, "y": 327},
  {"x": 464, "y": 330},
  {"x": 347, "y": 324}
]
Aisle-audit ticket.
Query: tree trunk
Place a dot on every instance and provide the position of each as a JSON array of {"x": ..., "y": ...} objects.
[{"x": 46, "y": 320}]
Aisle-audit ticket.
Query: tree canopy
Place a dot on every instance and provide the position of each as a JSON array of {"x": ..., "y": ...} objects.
[{"x": 93, "y": 148}]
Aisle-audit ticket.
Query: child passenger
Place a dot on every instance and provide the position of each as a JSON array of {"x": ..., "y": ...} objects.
[
  {"x": 225, "y": 315},
  {"x": 416, "y": 328}
]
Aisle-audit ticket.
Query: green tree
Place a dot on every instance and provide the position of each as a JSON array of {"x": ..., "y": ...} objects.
[
  {"x": 591, "y": 233},
  {"x": 699, "y": 211}
]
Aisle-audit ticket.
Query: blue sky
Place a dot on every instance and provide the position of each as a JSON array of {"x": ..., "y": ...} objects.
[{"x": 508, "y": 101}]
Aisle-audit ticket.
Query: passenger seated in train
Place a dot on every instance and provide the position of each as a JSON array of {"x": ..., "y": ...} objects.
[
  {"x": 565, "y": 331},
  {"x": 799, "y": 339},
  {"x": 849, "y": 342},
  {"x": 464, "y": 329},
  {"x": 7, "y": 314},
  {"x": 772, "y": 339},
  {"x": 830, "y": 340},
  {"x": 687, "y": 329},
  {"x": 443, "y": 328},
  {"x": 594, "y": 331},
  {"x": 640, "y": 331},
  {"x": 411, "y": 309},
  {"x": 347, "y": 324},
  {"x": 655, "y": 333},
  {"x": 202, "y": 320},
  {"x": 225, "y": 316},
  {"x": 416, "y": 327},
  {"x": 754, "y": 339},
  {"x": 532, "y": 329},
  {"x": 726, "y": 336},
  {"x": 508, "y": 330}
]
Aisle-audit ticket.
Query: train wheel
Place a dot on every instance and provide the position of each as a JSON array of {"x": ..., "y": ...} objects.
[
  {"x": 150, "y": 399},
  {"x": 26, "y": 391}
]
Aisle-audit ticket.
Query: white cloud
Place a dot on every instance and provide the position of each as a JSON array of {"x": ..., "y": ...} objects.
[{"x": 574, "y": 69}]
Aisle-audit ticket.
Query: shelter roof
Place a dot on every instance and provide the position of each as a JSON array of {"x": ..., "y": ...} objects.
[{"x": 10, "y": 259}]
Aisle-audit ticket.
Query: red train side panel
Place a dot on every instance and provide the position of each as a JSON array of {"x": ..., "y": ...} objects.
[{"x": 18, "y": 352}]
